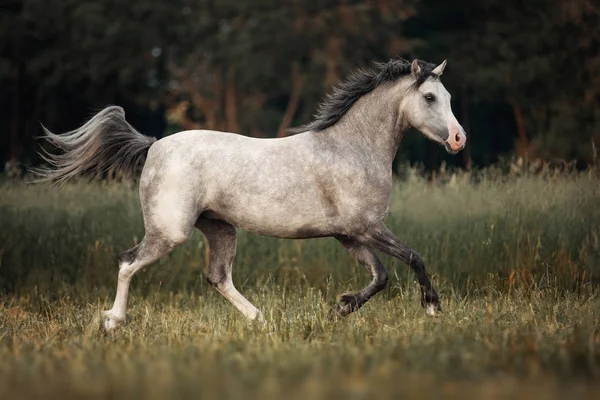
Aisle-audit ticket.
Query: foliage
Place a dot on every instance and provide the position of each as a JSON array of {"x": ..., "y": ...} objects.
[
  {"x": 524, "y": 75},
  {"x": 182, "y": 345},
  {"x": 465, "y": 226},
  {"x": 539, "y": 57}
]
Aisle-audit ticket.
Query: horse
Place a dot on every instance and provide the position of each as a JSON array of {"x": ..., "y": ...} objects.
[{"x": 329, "y": 178}]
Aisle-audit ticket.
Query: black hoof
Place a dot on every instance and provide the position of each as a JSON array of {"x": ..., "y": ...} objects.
[{"x": 347, "y": 304}]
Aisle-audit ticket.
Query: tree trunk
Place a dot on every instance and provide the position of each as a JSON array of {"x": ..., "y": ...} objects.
[
  {"x": 522, "y": 147},
  {"x": 286, "y": 121},
  {"x": 231, "y": 102},
  {"x": 177, "y": 113},
  {"x": 256, "y": 104},
  {"x": 333, "y": 48},
  {"x": 208, "y": 107},
  {"x": 210, "y": 116}
]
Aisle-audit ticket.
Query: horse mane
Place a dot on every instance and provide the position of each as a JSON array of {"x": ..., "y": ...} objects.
[{"x": 359, "y": 83}]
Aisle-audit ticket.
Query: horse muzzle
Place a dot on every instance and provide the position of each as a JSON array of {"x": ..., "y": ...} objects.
[{"x": 457, "y": 139}]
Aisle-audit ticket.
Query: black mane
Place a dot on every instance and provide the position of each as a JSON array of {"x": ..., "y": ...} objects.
[{"x": 359, "y": 83}]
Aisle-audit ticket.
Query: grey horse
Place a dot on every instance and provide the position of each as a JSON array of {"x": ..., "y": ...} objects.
[{"x": 331, "y": 178}]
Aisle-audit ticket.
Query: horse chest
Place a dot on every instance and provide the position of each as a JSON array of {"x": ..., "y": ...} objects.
[{"x": 359, "y": 197}]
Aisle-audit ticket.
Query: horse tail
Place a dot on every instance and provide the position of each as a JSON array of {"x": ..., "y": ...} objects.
[{"x": 106, "y": 142}]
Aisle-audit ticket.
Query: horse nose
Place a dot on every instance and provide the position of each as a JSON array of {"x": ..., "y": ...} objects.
[{"x": 457, "y": 139}]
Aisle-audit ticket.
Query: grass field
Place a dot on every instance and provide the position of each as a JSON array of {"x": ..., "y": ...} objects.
[{"x": 516, "y": 262}]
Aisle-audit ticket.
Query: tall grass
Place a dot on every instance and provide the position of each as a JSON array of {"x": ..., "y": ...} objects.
[{"x": 515, "y": 259}]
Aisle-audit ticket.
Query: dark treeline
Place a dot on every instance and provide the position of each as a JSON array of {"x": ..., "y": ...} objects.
[{"x": 525, "y": 75}]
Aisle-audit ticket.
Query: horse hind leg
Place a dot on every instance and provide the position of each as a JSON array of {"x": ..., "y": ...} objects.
[
  {"x": 366, "y": 256},
  {"x": 162, "y": 236},
  {"x": 148, "y": 251},
  {"x": 222, "y": 241}
]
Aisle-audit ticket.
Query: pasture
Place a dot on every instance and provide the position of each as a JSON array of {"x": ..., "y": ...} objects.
[{"x": 515, "y": 258}]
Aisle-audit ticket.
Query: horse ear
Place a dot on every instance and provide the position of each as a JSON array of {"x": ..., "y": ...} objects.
[
  {"x": 439, "y": 70},
  {"x": 415, "y": 69}
]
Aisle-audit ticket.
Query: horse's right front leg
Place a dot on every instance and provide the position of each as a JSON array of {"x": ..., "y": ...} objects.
[{"x": 384, "y": 240}]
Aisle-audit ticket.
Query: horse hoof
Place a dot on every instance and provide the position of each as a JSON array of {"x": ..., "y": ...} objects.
[
  {"x": 338, "y": 311},
  {"x": 433, "y": 310},
  {"x": 430, "y": 310},
  {"x": 110, "y": 322},
  {"x": 259, "y": 320},
  {"x": 348, "y": 303}
]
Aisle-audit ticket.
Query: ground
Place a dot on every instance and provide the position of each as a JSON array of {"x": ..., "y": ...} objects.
[{"x": 516, "y": 264}]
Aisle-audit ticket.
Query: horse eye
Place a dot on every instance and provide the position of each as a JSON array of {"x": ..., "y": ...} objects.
[{"x": 430, "y": 97}]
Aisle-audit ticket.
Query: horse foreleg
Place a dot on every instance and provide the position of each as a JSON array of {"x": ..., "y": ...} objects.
[
  {"x": 366, "y": 256},
  {"x": 384, "y": 240}
]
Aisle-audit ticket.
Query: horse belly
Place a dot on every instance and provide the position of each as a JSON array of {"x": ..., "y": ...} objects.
[{"x": 277, "y": 216}]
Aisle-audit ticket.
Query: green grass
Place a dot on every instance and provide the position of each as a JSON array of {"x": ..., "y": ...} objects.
[{"x": 515, "y": 259}]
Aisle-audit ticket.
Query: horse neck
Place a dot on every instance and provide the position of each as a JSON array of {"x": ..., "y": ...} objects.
[{"x": 373, "y": 124}]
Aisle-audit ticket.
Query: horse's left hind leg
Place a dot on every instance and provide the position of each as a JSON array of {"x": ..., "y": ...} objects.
[
  {"x": 148, "y": 251},
  {"x": 222, "y": 241},
  {"x": 367, "y": 257}
]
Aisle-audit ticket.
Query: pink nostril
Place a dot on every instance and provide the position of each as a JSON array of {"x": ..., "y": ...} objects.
[{"x": 457, "y": 138}]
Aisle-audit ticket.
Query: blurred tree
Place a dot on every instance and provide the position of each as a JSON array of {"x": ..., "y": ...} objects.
[
  {"x": 540, "y": 57},
  {"x": 260, "y": 62},
  {"x": 64, "y": 59},
  {"x": 524, "y": 75}
]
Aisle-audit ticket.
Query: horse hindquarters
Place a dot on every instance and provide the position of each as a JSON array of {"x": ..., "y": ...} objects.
[{"x": 170, "y": 212}]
